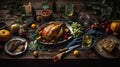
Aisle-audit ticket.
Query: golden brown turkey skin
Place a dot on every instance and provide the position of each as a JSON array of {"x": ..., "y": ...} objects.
[{"x": 52, "y": 31}]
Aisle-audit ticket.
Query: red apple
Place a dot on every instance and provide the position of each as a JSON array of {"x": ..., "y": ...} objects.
[
  {"x": 92, "y": 26},
  {"x": 108, "y": 30}
]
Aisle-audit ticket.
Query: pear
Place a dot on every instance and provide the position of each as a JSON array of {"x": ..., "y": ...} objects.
[{"x": 14, "y": 28}]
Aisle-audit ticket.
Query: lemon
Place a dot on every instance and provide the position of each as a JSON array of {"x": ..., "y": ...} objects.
[
  {"x": 33, "y": 26},
  {"x": 76, "y": 52}
]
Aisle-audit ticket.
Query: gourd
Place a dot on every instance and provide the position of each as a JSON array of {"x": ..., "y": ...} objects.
[{"x": 4, "y": 35}]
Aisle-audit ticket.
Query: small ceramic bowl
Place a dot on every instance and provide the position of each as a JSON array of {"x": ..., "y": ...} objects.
[{"x": 3, "y": 25}]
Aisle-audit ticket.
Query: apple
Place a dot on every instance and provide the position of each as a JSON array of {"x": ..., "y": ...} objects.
[{"x": 108, "y": 30}]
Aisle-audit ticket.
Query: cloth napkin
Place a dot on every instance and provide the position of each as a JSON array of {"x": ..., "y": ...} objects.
[{"x": 78, "y": 40}]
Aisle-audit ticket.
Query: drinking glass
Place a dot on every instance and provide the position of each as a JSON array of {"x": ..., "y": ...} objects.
[
  {"x": 69, "y": 9},
  {"x": 84, "y": 19}
]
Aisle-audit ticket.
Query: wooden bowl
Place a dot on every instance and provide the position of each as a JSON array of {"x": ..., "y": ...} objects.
[{"x": 46, "y": 14}]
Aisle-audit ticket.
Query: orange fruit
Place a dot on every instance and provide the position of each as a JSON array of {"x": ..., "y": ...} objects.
[
  {"x": 33, "y": 26},
  {"x": 76, "y": 52}
]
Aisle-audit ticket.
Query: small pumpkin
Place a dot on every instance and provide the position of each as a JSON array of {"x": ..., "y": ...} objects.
[
  {"x": 4, "y": 35},
  {"x": 115, "y": 26}
]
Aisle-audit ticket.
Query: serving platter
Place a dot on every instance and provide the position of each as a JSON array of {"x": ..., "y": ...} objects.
[
  {"x": 59, "y": 41},
  {"x": 15, "y": 53},
  {"x": 98, "y": 46}
]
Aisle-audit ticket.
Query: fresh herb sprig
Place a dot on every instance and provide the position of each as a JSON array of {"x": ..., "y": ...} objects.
[{"x": 34, "y": 44}]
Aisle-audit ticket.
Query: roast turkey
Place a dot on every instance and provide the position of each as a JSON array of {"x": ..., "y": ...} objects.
[{"x": 53, "y": 30}]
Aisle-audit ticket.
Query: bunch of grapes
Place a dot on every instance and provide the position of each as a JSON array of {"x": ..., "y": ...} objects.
[
  {"x": 101, "y": 26},
  {"x": 77, "y": 29}
]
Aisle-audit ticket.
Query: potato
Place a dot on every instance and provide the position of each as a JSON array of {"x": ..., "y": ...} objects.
[{"x": 21, "y": 47}]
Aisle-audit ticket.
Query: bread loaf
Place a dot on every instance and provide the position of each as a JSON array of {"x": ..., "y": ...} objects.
[{"x": 108, "y": 45}]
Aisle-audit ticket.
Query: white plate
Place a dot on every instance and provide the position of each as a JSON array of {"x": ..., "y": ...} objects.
[{"x": 15, "y": 53}]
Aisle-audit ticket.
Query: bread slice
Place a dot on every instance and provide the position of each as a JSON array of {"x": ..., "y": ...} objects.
[{"x": 108, "y": 45}]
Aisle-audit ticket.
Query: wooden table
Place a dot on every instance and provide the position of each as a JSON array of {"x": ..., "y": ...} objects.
[
  {"x": 46, "y": 57},
  {"x": 86, "y": 58},
  {"x": 47, "y": 54}
]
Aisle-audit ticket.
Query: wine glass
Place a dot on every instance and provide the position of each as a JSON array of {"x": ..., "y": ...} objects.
[
  {"x": 69, "y": 9},
  {"x": 84, "y": 19}
]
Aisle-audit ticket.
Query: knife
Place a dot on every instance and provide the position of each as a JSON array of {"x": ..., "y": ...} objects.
[
  {"x": 69, "y": 48},
  {"x": 59, "y": 55}
]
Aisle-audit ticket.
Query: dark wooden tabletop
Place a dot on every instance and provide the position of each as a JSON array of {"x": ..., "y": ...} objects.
[
  {"x": 89, "y": 54},
  {"x": 49, "y": 55},
  {"x": 46, "y": 57}
]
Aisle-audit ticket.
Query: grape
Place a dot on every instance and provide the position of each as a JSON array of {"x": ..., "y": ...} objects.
[{"x": 77, "y": 29}]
